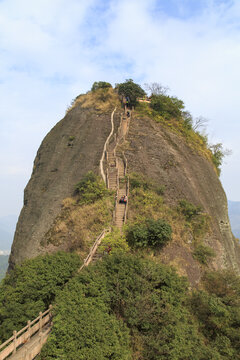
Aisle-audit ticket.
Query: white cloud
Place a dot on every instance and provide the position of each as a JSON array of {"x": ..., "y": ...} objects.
[{"x": 52, "y": 51}]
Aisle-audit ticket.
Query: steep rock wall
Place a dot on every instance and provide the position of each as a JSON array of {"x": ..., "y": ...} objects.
[
  {"x": 165, "y": 157},
  {"x": 71, "y": 149},
  {"x": 75, "y": 145}
]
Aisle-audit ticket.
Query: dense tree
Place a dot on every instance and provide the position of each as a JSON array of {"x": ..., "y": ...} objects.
[
  {"x": 125, "y": 307},
  {"x": 100, "y": 85},
  {"x": 151, "y": 300},
  {"x": 151, "y": 233},
  {"x": 217, "y": 310},
  {"x": 131, "y": 90},
  {"x": 167, "y": 106}
]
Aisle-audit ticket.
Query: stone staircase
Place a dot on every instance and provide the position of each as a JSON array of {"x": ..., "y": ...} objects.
[
  {"x": 120, "y": 210},
  {"x": 113, "y": 178},
  {"x": 116, "y": 173}
]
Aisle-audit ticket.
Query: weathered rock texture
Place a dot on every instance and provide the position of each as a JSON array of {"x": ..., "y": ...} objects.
[
  {"x": 71, "y": 149},
  {"x": 151, "y": 150},
  {"x": 166, "y": 158}
]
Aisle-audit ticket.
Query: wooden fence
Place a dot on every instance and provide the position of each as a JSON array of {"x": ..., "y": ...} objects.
[
  {"x": 23, "y": 336},
  {"x": 93, "y": 249}
]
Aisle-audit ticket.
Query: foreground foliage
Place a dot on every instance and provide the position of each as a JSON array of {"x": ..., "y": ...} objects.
[
  {"x": 125, "y": 307},
  {"x": 217, "y": 310},
  {"x": 31, "y": 288}
]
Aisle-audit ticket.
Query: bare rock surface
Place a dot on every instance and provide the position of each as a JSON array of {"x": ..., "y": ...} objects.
[
  {"x": 71, "y": 149},
  {"x": 166, "y": 158}
]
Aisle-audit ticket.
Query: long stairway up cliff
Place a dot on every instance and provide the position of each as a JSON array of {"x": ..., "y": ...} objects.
[{"x": 116, "y": 172}]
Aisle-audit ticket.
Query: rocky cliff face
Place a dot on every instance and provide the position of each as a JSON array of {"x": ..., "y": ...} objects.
[
  {"x": 75, "y": 145},
  {"x": 165, "y": 157},
  {"x": 71, "y": 149}
]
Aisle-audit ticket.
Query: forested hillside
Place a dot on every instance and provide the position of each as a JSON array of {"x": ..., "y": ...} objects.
[{"x": 124, "y": 307}]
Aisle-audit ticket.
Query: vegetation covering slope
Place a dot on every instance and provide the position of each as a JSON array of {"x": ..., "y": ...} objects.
[
  {"x": 124, "y": 307},
  {"x": 83, "y": 216}
]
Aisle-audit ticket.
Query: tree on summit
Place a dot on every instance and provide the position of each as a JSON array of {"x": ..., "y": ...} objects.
[
  {"x": 100, "y": 85},
  {"x": 131, "y": 90}
]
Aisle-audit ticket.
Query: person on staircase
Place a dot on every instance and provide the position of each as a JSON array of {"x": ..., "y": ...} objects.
[{"x": 123, "y": 199}]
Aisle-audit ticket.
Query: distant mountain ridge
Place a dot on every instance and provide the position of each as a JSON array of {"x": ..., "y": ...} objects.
[
  {"x": 3, "y": 265},
  {"x": 7, "y": 228},
  {"x": 234, "y": 215}
]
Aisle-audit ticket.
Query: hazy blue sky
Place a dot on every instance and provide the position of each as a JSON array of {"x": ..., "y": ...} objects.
[{"x": 51, "y": 51}]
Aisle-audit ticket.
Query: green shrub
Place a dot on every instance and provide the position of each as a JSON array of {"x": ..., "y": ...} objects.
[
  {"x": 224, "y": 284},
  {"x": 116, "y": 241},
  {"x": 167, "y": 106},
  {"x": 151, "y": 233},
  {"x": 32, "y": 287},
  {"x": 187, "y": 120},
  {"x": 218, "y": 153},
  {"x": 139, "y": 181},
  {"x": 203, "y": 254},
  {"x": 100, "y": 85},
  {"x": 160, "y": 190},
  {"x": 188, "y": 209},
  {"x": 90, "y": 189}
]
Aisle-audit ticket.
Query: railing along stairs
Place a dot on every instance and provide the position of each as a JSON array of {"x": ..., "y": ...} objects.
[{"x": 40, "y": 326}]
